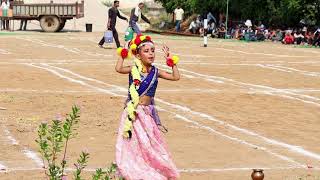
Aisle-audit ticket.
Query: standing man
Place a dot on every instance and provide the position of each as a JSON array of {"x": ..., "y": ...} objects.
[
  {"x": 178, "y": 15},
  {"x": 113, "y": 13},
  {"x": 23, "y": 23},
  {"x": 5, "y": 5},
  {"x": 135, "y": 16}
]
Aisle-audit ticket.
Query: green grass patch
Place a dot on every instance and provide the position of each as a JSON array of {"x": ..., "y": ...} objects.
[
  {"x": 307, "y": 47},
  {"x": 7, "y": 33}
]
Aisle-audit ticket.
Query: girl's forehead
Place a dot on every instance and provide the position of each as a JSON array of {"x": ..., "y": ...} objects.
[{"x": 148, "y": 46}]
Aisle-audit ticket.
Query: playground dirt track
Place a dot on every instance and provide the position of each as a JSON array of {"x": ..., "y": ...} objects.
[{"x": 238, "y": 105}]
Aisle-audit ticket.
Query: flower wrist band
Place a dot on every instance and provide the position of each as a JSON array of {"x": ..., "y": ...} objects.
[{"x": 171, "y": 61}]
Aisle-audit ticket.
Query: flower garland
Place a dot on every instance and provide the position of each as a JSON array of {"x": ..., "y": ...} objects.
[{"x": 133, "y": 103}]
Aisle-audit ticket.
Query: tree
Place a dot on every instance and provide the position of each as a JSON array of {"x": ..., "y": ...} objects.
[{"x": 272, "y": 12}]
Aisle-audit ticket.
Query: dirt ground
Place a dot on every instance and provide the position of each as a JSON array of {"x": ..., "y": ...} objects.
[{"x": 238, "y": 106}]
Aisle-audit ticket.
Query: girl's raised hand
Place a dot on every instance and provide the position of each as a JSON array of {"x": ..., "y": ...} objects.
[{"x": 165, "y": 49}]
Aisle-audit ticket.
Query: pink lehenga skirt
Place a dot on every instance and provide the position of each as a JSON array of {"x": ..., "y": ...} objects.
[{"x": 145, "y": 156}]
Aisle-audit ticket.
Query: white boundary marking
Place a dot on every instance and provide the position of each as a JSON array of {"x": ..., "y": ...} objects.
[
  {"x": 2, "y": 167},
  {"x": 111, "y": 61},
  {"x": 271, "y": 67},
  {"x": 288, "y": 69},
  {"x": 32, "y": 155},
  {"x": 9, "y": 137},
  {"x": 44, "y": 44},
  {"x": 28, "y": 153},
  {"x": 4, "y": 52},
  {"x": 72, "y": 50},
  {"x": 238, "y": 140},
  {"x": 183, "y": 170},
  {"x": 181, "y": 90},
  {"x": 193, "y": 90},
  {"x": 194, "y": 170},
  {"x": 292, "y": 148},
  {"x": 258, "y": 88},
  {"x": 74, "y": 80},
  {"x": 264, "y": 54}
]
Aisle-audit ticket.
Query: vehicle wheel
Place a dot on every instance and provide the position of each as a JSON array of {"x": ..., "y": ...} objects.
[
  {"x": 49, "y": 23},
  {"x": 62, "y": 24}
]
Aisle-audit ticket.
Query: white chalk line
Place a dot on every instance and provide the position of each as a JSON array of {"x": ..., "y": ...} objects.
[
  {"x": 239, "y": 51},
  {"x": 186, "y": 62},
  {"x": 302, "y": 90},
  {"x": 181, "y": 90},
  {"x": 90, "y": 79},
  {"x": 287, "y": 146},
  {"x": 238, "y": 140},
  {"x": 192, "y": 90},
  {"x": 47, "y": 91},
  {"x": 202, "y": 115},
  {"x": 183, "y": 170},
  {"x": 27, "y": 152},
  {"x": 2, "y": 167},
  {"x": 10, "y": 138},
  {"x": 74, "y": 80},
  {"x": 44, "y": 44},
  {"x": 276, "y": 90},
  {"x": 264, "y": 54},
  {"x": 71, "y": 50},
  {"x": 195, "y": 170},
  {"x": 306, "y": 73},
  {"x": 4, "y": 52},
  {"x": 86, "y": 78},
  {"x": 304, "y": 62},
  {"x": 31, "y": 60},
  {"x": 270, "y": 67},
  {"x": 286, "y": 69},
  {"x": 258, "y": 88}
]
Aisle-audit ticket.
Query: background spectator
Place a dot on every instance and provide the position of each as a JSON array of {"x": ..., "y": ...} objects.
[{"x": 178, "y": 16}]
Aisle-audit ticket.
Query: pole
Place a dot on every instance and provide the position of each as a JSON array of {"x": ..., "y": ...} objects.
[
  {"x": 227, "y": 13},
  {"x": 205, "y": 31}
]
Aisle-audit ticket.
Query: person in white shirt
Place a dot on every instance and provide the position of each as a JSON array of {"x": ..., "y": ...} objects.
[
  {"x": 178, "y": 15},
  {"x": 193, "y": 27},
  {"x": 135, "y": 16},
  {"x": 5, "y": 5}
]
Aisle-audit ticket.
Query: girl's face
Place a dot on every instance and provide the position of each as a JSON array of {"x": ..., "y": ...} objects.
[{"x": 147, "y": 54}]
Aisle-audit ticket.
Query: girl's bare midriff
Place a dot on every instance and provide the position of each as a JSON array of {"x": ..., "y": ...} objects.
[{"x": 145, "y": 100}]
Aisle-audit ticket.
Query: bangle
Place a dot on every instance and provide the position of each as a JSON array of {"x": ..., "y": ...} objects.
[
  {"x": 171, "y": 61},
  {"x": 124, "y": 53}
]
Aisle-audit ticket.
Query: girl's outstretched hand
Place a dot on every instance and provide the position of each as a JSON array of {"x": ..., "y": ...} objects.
[{"x": 165, "y": 49}]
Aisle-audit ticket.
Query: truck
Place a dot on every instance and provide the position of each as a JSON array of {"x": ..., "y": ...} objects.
[{"x": 52, "y": 16}]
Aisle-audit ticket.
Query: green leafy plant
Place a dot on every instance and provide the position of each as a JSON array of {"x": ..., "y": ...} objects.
[
  {"x": 53, "y": 139},
  {"x": 273, "y": 13},
  {"x": 81, "y": 164},
  {"x": 107, "y": 3},
  {"x": 107, "y": 174}
]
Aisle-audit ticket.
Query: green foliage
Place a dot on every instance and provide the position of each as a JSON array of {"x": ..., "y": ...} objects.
[
  {"x": 81, "y": 164},
  {"x": 108, "y": 174},
  {"x": 107, "y": 3},
  {"x": 53, "y": 139},
  {"x": 272, "y": 12}
]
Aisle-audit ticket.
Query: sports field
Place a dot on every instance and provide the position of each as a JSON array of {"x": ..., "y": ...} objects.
[{"x": 238, "y": 105}]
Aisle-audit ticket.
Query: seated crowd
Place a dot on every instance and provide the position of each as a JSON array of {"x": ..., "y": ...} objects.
[{"x": 249, "y": 32}]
